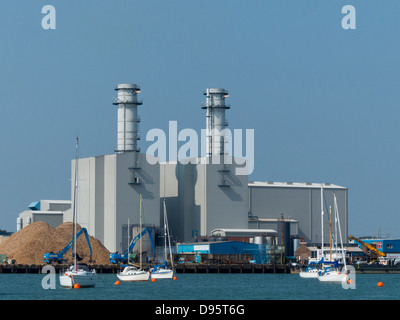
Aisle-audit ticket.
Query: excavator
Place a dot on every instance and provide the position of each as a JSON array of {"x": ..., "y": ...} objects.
[
  {"x": 51, "y": 257},
  {"x": 370, "y": 247},
  {"x": 123, "y": 258}
]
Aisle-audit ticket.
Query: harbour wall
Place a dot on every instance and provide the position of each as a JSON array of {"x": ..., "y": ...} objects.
[{"x": 200, "y": 268}]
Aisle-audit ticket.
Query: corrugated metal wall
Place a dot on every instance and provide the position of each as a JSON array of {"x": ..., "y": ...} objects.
[{"x": 302, "y": 204}]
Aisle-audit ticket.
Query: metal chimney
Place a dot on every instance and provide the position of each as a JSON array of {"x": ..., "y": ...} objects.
[
  {"x": 215, "y": 121},
  {"x": 128, "y": 120}
]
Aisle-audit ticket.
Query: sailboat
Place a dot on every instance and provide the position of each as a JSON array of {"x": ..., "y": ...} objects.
[
  {"x": 334, "y": 274},
  {"x": 162, "y": 271},
  {"x": 312, "y": 271},
  {"x": 314, "y": 268},
  {"x": 132, "y": 272},
  {"x": 77, "y": 274}
]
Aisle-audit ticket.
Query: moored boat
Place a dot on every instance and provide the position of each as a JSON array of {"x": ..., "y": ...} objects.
[
  {"x": 332, "y": 274},
  {"x": 162, "y": 271},
  {"x": 77, "y": 274},
  {"x": 312, "y": 271},
  {"x": 132, "y": 273}
]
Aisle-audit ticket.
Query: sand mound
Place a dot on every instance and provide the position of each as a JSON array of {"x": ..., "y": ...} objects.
[{"x": 28, "y": 245}]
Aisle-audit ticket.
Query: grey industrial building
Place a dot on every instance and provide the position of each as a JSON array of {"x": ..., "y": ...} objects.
[
  {"x": 300, "y": 206},
  {"x": 199, "y": 197}
]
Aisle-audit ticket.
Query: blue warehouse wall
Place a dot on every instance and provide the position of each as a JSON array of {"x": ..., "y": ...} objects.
[
  {"x": 224, "y": 247},
  {"x": 385, "y": 245}
]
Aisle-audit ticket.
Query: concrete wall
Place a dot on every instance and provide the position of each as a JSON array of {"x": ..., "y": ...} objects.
[
  {"x": 226, "y": 198},
  {"x": 201, "y": 198},
  {"x": 106, "y": 199},
  {"x": 55, "y": 205},
  {"x": 53, "y": 218}
]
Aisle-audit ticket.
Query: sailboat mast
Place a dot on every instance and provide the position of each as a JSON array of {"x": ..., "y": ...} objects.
[
  {"x": 330, "y": 233},
  {"x": 322, "y": 220},
  {"x": 340, "y": 231},
  {"x": 128, "y": 242},
  {"x": 336, "y": 235},
  {"x": 169, "y": 239},
  {"x": 75, "y": 201},
  {"x": 165, "y": 234},
  {"x": 140, "y": 230}
]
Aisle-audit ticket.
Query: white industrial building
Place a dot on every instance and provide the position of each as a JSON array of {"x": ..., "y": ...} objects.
[
  {"x": 206, "y": 193},
  {"x": 200, "y": 196},
  {"x": 51, "y": 211},
  {"x": 109, "y": 186}
]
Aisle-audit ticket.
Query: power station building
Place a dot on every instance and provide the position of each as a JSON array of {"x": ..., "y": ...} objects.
[
  {"x": 110, "y": 186},
  {"x": 201, "y": 195}
]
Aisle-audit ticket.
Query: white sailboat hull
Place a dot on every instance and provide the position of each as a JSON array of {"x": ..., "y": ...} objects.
[
  {"x": 333, "y": 277},
  {"x": 85, "y": 279},
  {"x": 162, "y": 274},
  {"x": 310, "y": 274},
  {"x": 133, "y": 274}
]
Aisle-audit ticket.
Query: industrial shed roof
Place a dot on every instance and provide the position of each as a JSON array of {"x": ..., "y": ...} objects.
[
  {"x": 222, "y": 232},
  {"x": 294, "y": 185}
]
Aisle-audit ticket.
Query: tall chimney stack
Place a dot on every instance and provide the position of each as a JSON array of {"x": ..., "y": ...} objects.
[
  {"x": 128, "y": 120},
  {"x": 215, "y": 121}
]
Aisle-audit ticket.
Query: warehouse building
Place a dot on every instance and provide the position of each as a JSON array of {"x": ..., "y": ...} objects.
[
  {"x": 51, "y": 211},
  {"x": 299, "y": 204},
  {"x": 391, "y": 247}
]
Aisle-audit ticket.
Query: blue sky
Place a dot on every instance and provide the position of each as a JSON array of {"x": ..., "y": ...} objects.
[{"x": 323, "y": 101}]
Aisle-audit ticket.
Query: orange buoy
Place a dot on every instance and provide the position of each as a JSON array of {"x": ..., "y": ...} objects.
[
  {"x": 380, "y": 284},
  {"x": 117, "y": 282},
  {"x": 153, "y": 280},
  {"x": 174, "y": 278},
  {"x": 349, "y": 281},
  {"x": 77, "y": 286}
]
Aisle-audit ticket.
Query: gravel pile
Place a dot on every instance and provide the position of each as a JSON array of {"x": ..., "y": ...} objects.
[{"x": 28, "y": 245}]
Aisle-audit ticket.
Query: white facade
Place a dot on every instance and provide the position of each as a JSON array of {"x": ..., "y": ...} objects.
[
  {"x": 49, "y": 211},
  {"x": 203, "y": 197},
  {"x": 108, "y": 194}
]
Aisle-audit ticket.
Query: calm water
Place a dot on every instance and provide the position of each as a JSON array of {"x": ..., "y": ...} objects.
[{"x": 205, "y": 287}]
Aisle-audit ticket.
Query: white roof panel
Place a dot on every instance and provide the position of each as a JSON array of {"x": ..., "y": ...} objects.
[{"x": 294, "y": 185}]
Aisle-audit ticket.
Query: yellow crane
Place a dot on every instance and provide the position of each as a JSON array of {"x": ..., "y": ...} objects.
[{"x": 372, "y": 248}]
